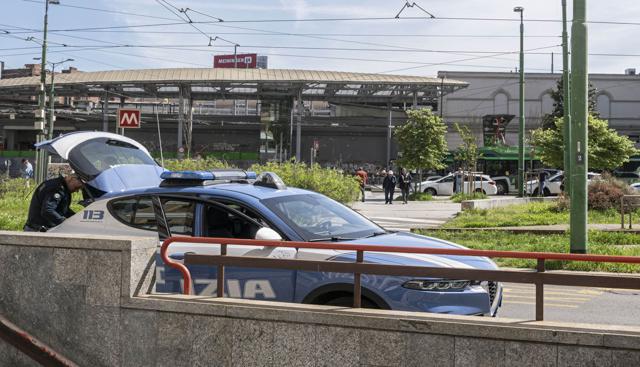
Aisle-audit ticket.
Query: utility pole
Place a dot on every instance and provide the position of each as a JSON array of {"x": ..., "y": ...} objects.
[
  {"x": 566, "y": 99},
  {"x": 579, "y": 116},
  {"x": 520, "y": 180},
  {"x": 40, "y": 123}
]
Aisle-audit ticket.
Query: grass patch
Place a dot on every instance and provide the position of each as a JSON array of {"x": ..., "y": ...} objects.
[
  {"x": 530, "y": 214},
  {"x": 417, "y": 196},
  {"x": 600, "y": 243},
  {"x": 15, "y": 197},
  {"x": 460, "y": 197}
]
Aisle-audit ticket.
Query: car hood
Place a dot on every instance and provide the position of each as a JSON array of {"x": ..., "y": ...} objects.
[{"x": 405, "y": 239}]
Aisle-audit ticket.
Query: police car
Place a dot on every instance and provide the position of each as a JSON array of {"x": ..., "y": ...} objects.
[{"x": 131, "y": 195}]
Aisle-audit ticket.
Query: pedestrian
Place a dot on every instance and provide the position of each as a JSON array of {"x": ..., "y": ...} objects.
[
  {"x": 27, "y": 169},
  {"x": 542, "y": 179},
  {"x": 389, "y": 186},
  {"x": 50, "y": 203},
  {"x": 362, "y": 177},
  {"x": 404, "y": 181},
  {"x": 458, "y": 181}
]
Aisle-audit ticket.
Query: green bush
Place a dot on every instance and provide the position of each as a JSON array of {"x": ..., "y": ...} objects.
[
  {"x": 15, "y": 197},
  {"x": 327, "y": 181},
  {"x": 194, "y": 164},
  {"x": 460, "y": 197},
  {"x": 605, "y": 194},
  {"x": 419, "y": 196}
]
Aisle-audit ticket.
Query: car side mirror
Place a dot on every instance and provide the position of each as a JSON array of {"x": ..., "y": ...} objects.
[{"x": 267, "y": 234}]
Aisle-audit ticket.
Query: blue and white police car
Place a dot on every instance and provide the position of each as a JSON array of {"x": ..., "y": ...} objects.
[{"x": 131, "y": 195}]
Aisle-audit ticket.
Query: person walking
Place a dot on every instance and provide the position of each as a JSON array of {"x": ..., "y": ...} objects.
[
  {"x": 404, "y": 181},
  {"x": 50, "y": 203},
  {"x": 542, "y": 179},
  {"x": 458, "y": 181},
  {"x": 27, "y": 169},
  {"x": 389, "y": 186},
  {"x": 362, "y": 177}
]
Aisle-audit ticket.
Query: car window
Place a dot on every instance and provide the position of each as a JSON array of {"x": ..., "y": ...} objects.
[
  {"x": 447, "y": 179},
  {"x": 557, "y": 178},
  {"x": 316, "y": 217},
  {"x": 135, "y": 212},
  {"x": 219, "y": 222},
  {"x": 96, "y": 155},
  {"x": 180, "y": 215}
]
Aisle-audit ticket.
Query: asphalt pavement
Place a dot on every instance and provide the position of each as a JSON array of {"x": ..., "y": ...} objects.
[{"x": 562, "y": 304}]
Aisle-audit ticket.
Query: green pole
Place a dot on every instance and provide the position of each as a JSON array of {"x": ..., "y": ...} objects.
[
  {"x": 521, "y": 168},
  {"x": 566, "y": 100},
  {"x": 52, "y": 92},
  {"x": 579, "y": 115}
]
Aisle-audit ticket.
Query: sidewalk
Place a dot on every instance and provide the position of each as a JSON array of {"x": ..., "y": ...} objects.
[
  {"x": 404, "y": 217},
  {"x": 549, "y": 229}
]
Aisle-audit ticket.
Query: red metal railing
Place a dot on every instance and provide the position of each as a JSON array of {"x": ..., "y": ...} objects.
[
  {"x": 29, "y": 345},
  {"x": 538, "y": 277}
]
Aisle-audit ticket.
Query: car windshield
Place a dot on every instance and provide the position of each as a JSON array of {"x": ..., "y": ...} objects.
[
  {"x": 315, "y": 217},
  {"x": 96, "y": 155}
]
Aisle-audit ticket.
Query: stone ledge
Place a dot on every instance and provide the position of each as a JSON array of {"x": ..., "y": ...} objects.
[
  {"x": 77, "y": 241},
  {"x": 626, "y": 337}
]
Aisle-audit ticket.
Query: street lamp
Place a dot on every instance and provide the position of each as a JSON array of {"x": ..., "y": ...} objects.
[
  {"x": 41, "y": 159},
  {"x": 52, "y": 117},
  {"x": 520, "y": 180}
]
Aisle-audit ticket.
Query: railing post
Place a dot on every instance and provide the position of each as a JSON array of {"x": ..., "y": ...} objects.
[
  {"x": 540, "y": 292},
  {"x": 220, "y": 275},
  {"x": 357, "y": 288},
  {"x": 622, "y": 212}
]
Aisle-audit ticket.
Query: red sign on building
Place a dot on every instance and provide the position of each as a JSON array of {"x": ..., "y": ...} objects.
[
  {"x": 240, "y": 61},
  {"x": 128, "y": 118}
]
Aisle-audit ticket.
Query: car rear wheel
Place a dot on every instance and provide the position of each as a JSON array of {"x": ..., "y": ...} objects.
[
  {"x": 431, "y": 191},
  {"x": 503, "y": 188},
  {"x": 546, "y": 192},
  {"x": 346, "y": 301}
]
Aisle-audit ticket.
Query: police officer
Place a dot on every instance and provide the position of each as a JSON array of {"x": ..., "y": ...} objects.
[{"x": 50, "y": 203}]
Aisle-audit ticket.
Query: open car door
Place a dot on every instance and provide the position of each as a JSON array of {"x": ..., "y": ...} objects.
[{"x": 107, "y": 162}]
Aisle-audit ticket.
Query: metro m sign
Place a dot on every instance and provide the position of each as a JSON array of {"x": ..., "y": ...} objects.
[{"x": 128, "y": 118}]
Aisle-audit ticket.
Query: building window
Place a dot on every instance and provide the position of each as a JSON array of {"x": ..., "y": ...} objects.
[
  {"x": 500, "y": 104},
  {"x": 603, "y": 105}
]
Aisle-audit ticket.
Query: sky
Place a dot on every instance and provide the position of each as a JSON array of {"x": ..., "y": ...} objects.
[{"x": 151, "y": 36}]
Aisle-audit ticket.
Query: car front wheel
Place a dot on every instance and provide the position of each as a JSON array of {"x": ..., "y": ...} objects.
[{"x": 430, "y": 191}]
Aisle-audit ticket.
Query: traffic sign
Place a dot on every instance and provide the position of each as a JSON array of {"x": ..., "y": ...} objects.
[{"x": 128, "y": 118}]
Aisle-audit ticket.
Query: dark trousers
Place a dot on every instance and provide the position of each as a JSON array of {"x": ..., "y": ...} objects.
[
  {"x": 388, "y": 195},
  {"x": 405, "y": 194},
  {"x": 362, "y": 192}
]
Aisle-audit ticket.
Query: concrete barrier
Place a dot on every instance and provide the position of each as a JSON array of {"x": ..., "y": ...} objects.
[
  {"x": 498, "y": 202},
  {"x": 87, "y": 298}
]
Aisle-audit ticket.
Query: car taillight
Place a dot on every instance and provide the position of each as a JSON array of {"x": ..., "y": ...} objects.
[{"x": 492, "y": 183}]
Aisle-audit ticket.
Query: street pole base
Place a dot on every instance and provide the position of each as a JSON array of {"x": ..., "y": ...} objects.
[{"x": 578, "y": 251}]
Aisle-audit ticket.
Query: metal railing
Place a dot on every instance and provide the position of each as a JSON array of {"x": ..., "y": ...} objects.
[
  {"x": 539, "y": 277},
  {"x": 632, "y": 202},
  {"x": 32, "y": 347}
]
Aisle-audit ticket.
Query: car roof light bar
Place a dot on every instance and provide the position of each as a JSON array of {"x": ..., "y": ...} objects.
[
  {"x": 215, "y": 175},
  {"x": 270, "y": 179}
]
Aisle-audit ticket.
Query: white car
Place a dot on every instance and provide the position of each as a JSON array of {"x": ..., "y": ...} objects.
[
  {"x": 444, "y": 185},
  {"x": 554, "y": 184},
  {"x": 635, "y": 186}
]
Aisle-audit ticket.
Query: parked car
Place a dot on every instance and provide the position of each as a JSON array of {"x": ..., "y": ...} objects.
[
  {"x": 554, "y": 184},
  {"x": 444, "y": 185},
  {"x": 133, "y": 196}
]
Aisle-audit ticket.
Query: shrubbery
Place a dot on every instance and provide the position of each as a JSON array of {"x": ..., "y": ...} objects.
[
  {"x": 327, "y": 181},
  {"x": 460, "y": 197},
  {"x": 194, "y": 164},
  {"x": 603, "y": 195}
]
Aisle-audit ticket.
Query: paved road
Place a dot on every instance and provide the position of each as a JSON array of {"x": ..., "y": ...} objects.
[
  {"x": 573, "y": 304},
  {"x": 403, "y": 217},
  {"x": 562, "y": 304}
]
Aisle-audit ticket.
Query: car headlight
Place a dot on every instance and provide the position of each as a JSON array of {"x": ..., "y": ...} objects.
[{"x": 437, "y": 285}]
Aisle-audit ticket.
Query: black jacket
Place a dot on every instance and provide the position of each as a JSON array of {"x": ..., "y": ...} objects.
[
  {"x": 389, "y": 182},
  {"x": 49, "y": 204}
]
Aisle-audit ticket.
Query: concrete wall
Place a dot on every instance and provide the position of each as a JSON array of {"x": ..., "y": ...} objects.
[{"x": 85, "y": 298}]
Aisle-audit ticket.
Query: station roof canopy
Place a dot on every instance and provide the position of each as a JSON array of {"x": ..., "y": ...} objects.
[{"x": 223, "y": 83}]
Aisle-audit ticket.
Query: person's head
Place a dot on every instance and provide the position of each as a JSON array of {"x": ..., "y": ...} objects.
[
  {"x": 390, "y": 173},
  {"x": 25, "y": 161},
  {"x": 73, "y": 182},
  {"x": 360, "y": 169},
  {"x": 404, "y": 171}
]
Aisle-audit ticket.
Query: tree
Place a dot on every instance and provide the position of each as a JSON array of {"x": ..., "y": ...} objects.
[
  {"x": 422, "y": 140},
  {"x": 548, "y": 120},
  {"x": 607, "y": 149},
  {"x": 468, "y": 151}
]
